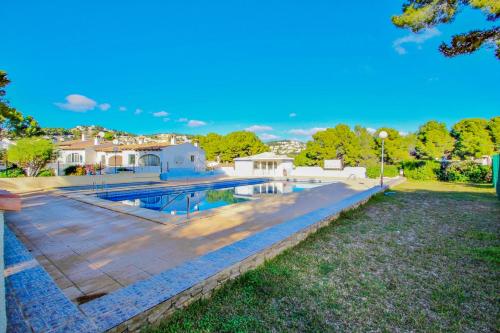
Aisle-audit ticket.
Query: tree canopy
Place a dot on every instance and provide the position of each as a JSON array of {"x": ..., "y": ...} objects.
[
  {"x": 31, "y": 154},
  {"x": 494, "y": 128},
  {"x": 397, "y": 147},
  {"x": 12, "y": 122},
  {"x": 473, "y": 138},
  {"x": 228, "y": 147},
  {"x": 433, "y": 141},
  {"x": 422, "y": 14},
  {"x": 339, "y": 142}
]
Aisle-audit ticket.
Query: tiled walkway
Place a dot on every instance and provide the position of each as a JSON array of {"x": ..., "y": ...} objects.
[{"x": 89, "y": 250}]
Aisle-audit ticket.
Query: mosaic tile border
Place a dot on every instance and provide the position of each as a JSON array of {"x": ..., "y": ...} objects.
[{"x": 34, "y": 302}]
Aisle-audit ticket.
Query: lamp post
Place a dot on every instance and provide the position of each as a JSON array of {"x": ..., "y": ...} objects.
[{"x": 382, "y": 135}]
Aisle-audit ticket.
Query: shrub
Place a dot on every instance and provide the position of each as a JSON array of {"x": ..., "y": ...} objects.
[
  {"x": 46, "y": 173},
  {"x": 467, "y": 171},
  {"x": 389, "y": 171},
  {"x": 12, "y": 172},
  {"x": 421, "y": 170},
  {"x": 75, "y": 170}
]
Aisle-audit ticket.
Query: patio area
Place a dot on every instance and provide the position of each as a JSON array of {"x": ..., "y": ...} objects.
[{"x": 91, "y": 251}]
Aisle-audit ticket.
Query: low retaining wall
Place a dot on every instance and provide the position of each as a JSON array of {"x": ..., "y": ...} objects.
[
  {"x": 150, "y": 301},
  {"x": 28, "y": 184}
]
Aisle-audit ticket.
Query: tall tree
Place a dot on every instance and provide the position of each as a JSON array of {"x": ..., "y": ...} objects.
[
  {"x": 472, "y": 138},
  {"x": 494, "y": 128},
  {"x": 211, "y": 144},
  {"x": 241, "y": 144},
  {"x": 421, "y": 14},
  {"x": 367, "y": 153},
  {"x": 397, "y": 147},
  {"x": 333, "y": 143},
  {"x": 433, "y": 140},
  {"x": 31, "y": 154},
  {"x": 12, "y": 122}
]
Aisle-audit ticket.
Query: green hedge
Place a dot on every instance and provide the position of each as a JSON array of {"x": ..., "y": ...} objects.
[
  {"x": 12, "y": 172},
  {"x": 467, "y": 172},
  {"x": 46, "y": 173},
  {"x": 421, "y": 170},
  {"x": 75, "y": 170},
  {"x": 389, "y": 171}
]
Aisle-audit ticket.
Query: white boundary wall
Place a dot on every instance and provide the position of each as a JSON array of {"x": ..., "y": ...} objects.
[
  {"x": 27, "y": 184},
  {"x": 310, "y": 172},
  {"x": 347, "y": 172}
]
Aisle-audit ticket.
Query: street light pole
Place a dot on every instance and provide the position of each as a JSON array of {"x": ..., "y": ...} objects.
[{"x": 382, "y": 135}]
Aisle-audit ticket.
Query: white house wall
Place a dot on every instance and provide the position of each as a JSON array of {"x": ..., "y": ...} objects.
[
  {"x": 179, "y": 157},
  {"x": 243, "y": 168}
]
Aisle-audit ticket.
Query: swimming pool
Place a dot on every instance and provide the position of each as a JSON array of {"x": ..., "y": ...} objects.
[{"x": 180, "y": 200}]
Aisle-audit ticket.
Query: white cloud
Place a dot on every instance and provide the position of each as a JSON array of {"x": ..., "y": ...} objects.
[
  {"x": 166, "y": 119},
  {"x": 417, "y": 38},
  {"x": 77, "y": 103},
  {"x": 182, "y": 120},
  {"x": 371, "y": 130},
  {"x": 122, "y": 108},
  {"x": 160, "y": 114},
  {"x": 138, "y": 111},
  {"x": 306, "y": 131},
  {"x": 258, "y": 128},
  {"x": 267, "y": 136},
  {"x": 292, "y": 115},
  {"x": 196, "y": 123},
  {"x": 104, "y": 106},
  {"x": 403, "y": 133}
]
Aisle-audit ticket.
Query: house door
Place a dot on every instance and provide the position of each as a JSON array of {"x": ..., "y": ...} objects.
[{"x": 115, "y": 160}]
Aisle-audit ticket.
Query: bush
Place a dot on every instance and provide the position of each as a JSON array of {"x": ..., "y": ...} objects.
[
  {"x": 467, "y": 171},
  {"x": 46, "y": 173},
  {"x": 12, "y": 172},
  {"x": 389, "y": 171},
  {"x": 421, "y": 170},
  {"x": 75, "y": 170}
]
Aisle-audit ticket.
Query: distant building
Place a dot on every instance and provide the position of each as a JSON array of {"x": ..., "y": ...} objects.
[
  {"x": 263, "y": 165},
  {"x": 141, "y": 157}
]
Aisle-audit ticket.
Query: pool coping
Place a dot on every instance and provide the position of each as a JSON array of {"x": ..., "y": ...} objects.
[
  {"x": 34, "y": 300},
  {"x": 160, "y": 216}
]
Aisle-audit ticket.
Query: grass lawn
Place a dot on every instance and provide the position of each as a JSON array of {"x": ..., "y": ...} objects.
[{"x": 426, "y": 258}]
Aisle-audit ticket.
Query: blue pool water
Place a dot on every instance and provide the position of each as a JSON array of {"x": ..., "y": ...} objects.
[{"x": 179, "y": 200}]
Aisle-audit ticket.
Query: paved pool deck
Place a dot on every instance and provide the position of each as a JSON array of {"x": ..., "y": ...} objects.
[{"x": 89, "y": 250}]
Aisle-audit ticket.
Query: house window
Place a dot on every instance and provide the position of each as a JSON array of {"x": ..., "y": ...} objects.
[
  {"x": 192, "y": 158},
  {"x": 74, "y": 158},
  {"x": 149, "y": 160},
  {"x": 131, "y": 159},
  {"x": 256, "y": 165}
]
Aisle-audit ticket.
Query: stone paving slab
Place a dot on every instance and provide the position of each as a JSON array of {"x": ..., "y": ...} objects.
[{"x": 34, "y": 302}]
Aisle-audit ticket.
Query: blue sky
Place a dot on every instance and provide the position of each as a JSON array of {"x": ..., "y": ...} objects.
[{"x": 280, "y": 68}]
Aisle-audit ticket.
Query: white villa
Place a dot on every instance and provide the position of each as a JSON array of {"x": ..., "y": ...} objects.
[
  {"x": 145, "y": 157},
  {"x": 265, "y": 164}
]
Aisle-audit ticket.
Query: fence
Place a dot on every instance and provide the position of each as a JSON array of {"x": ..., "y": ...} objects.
[{"x": 496, "y": 173}]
